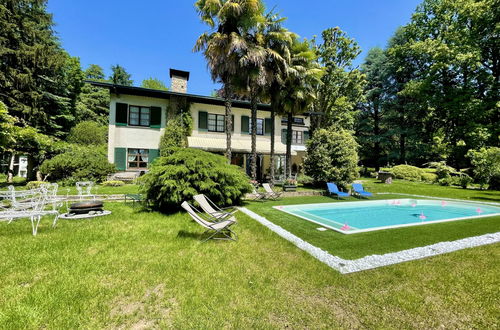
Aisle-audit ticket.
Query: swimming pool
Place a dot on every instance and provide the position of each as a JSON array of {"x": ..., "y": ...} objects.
[{"x": 356, "y": 217}]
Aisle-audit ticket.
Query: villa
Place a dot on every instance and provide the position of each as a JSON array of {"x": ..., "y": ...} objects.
[{"x": 137, "y": 118}]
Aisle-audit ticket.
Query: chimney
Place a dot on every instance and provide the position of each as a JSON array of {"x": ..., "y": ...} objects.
[{"x": 178, "y": 80}]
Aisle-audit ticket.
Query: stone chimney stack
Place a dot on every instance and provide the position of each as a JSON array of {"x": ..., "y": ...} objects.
[{"x": 178, "y": 81}]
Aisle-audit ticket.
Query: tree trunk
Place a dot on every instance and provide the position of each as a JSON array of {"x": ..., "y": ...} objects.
[
  {"x": 10, "y": 174},
  {"x": 253, "y": 160},
  {"x": 229, "y": 121},
  {"x": 273, "y": 134},
  {"x": 288, "y": 169},
  {"x": 30, "y": 173},
  {"x": 402, "y": 149},
  {"x": 376, "y": 132}
]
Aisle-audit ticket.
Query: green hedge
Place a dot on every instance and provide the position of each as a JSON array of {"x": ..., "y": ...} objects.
[
  {"x": 407, "y": 172},
  {"x": 186, "y": 172},
  {"x": 79, "y": 164}
]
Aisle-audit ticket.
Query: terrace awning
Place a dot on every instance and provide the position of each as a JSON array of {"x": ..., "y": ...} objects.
[{"x": 237, "y": 145}]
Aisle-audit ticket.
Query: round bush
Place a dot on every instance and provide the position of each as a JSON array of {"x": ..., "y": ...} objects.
[
  {"x": 407, "y": 172},
  {"x": 18, "y": 180},
  {"x": 88, "y": 133},
  {"x": 332, "y": 156},
  {"x": 186, "y": 172},
  {"x": 79, "y": 164},
  {"x": 429, "y": 177},
  {"x": 113, "y": 183}
]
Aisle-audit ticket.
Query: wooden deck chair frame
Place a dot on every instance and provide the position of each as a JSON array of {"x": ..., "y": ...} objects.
[{"x": 213, "y": 228}]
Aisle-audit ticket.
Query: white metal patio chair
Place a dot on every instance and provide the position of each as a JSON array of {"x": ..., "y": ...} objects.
[
  {"x": 212, "y": 209},
  {"x": 84, "y": 189},
  {"x": 20, "y": 199},
  {"x": 213, "y": 227},
  {"x": 38, "y": 202},
  {"x": 52, "y": 197}
]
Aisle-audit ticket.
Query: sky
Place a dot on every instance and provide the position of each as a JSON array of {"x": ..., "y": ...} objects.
[{"x": 149, "y": 37}]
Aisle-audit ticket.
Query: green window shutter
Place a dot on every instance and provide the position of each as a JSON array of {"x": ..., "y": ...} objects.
[
  {"x": 283, "y": 136},
  {"x": 153, "y": 154},
  {"x": 306, "y": 136},
  {"x": 202, "y": 119},
  {"x": 121, "y": 158},
  {"x": 155, "y": 121},
  {"x": 121, "y": 114},
  {"x": 268, "y": 126},
  {"x": 232, "y": 123},
  {"x": 244, "y": 124}
]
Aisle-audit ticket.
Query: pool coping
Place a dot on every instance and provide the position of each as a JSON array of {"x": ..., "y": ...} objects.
[
  {"x": 346, "y": 266},
  {"x": 357, "y": 231}
]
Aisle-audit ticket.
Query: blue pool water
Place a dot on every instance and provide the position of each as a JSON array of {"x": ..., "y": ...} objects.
[{"x": 354, "y": 217}]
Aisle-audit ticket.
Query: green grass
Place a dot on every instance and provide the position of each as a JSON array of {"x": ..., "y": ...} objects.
[
  {"x": 434, "y": 190},
  {"x": 144, "y": 269},
  {"x": 374, "y": 242},
  {"x": 103, "y": 190}
]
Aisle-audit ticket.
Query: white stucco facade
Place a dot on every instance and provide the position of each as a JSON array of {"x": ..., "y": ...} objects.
[
  {"x": 125, "y": 136},
  {"x": 134, "y": 136}
]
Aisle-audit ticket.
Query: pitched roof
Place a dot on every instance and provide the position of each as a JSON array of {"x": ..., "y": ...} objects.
[{"x": 140, "y": 91}]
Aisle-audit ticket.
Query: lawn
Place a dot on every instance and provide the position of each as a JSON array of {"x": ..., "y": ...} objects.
[
  {"x": 384, "y": 241},
  {"x": 136, "y": 269},
  {"x": 434, "y": 190},
  {"x": 103, "y": 190},
  {"x": 374, "y": 242}
]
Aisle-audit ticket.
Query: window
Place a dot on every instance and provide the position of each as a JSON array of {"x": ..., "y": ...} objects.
[
  {"x": 295, "y": 121},
  {"x": 138, "y": 158},
  {"x": 216, "y": 123},
  {"x": 260, "y": 126},
  {"x": 138, "y": 116},
  {"x": 297, "y": 137}
]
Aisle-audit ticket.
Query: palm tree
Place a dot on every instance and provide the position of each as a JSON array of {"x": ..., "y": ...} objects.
[
  {"x": 300, "y": 88},
  {"x": 229, "y": 21},
  {"x": 278, "y": 42},
  {"x": 256, "y": 76}
]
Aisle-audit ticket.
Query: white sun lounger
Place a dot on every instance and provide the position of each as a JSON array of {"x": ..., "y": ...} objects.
[
  {"x": 212, "y": 209},
  {"x": 213, "y": 227},
  {"x": 270, "y": 193}
]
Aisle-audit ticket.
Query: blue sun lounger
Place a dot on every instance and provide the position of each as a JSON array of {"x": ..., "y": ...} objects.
[
  {"x": 360, "y": 191},
  {"x": 334, "y": 190}
]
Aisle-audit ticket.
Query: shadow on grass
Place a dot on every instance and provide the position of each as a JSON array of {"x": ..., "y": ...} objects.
[
  {"x": 201, "y": 237},
  {"x": 189, "y": 234},
  {"x": 488, "y": 199}
]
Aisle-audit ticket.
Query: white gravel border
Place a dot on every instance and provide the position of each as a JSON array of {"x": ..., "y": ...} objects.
[{"x": 345, "y": 266}]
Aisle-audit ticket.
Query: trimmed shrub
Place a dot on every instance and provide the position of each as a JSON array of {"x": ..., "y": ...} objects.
[
  {"x": 304, "y": 179},
  {"x": 113, "y": 183},
  {"x": 186, "y": 172},
  {"x": 3, "y": 177},
  {"x": 34, "y": 184},
  {"x": 443, "y": 171},
  {"x": 449, "y": 181},
  {"x": 407, "y": 172},
  {"x": 464, "y": 180},
  {"x": 88, "y": 133},
  {"x": 429, "y": 177},
  {"x": 332, "y": 156},
  {"x": 18, "y": 180},
  {"x": 79, "y": 164}
]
